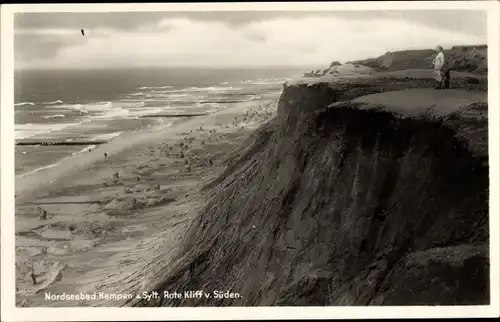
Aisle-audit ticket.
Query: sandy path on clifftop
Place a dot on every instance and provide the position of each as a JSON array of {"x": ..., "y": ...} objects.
[
  {"x": 104, "y": 232},
  {"x": 419, "y": 100}
]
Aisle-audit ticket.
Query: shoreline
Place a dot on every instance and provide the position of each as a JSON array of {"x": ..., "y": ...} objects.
[
  {"x": 106, "y": 216},
  {"x": 29, "y": 182},
  {"x": 69, "y": 165}
]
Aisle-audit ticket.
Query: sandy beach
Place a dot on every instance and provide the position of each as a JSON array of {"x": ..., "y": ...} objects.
[{"x": 93, "y": 218}]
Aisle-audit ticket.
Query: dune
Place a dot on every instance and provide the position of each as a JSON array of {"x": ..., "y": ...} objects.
[{"x": 461, "y": 59}]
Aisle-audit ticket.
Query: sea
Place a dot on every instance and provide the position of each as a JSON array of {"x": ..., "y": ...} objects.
[{"x": 93, "y": 105}]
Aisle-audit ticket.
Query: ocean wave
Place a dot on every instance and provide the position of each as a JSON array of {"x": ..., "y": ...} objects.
[
  {"x": 136, "y": 94},
  {"x": 54, "y": 116},
  {"x": 116, "y": 112},
  {"x": 249, "y": 97},
  {"x": 100, "y": 104},
  {"x": 24, "y": 103},
  {"x": 202, "y": 89},
  {"x": 124, "y": 103},
  {"x": 137, "y": 101},
  {"x": 215, "y": 88},
  {"x": 76, "y": 107},
  {"x": 111, "y": 110},
  {"x": 214, "y": 105},
  {"x": 264, "y": 81},
  {"x": 134, "y": 114},
  {"x": 105, "y": 136},
  {"x": 98, "y": 107},
  {"x": 53, "y": 103},
  {"x": 27, "y": 130},
  {"x": 174, "y": 95},
  {"x": 155, "y": 87}
]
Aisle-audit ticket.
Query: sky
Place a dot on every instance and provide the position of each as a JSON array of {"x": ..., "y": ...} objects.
[{"x": 220, "y": 39}]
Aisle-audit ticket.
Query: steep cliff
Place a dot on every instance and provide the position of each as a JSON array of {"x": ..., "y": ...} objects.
[{"x": 370, "y": 191}]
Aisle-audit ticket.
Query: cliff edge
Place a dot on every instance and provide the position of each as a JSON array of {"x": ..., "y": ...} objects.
[{"x": 371, "y": 190}]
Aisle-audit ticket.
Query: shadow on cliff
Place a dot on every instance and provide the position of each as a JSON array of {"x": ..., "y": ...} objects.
[{"x": 344, "y": 202}]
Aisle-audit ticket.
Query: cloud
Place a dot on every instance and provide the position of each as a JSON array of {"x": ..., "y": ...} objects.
[
  {"x": 280, "y": 41},
  {"x": 135, "y": 20}
]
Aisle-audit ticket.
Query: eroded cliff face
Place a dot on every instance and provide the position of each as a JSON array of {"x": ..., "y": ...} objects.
[{"x": 341, "y": 202}]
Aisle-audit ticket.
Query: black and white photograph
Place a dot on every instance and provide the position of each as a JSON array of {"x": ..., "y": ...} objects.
[{"x": 269, "y": 157}]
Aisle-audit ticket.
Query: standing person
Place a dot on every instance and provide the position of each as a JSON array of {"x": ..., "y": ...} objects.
[{"x": 441, "y": 70}]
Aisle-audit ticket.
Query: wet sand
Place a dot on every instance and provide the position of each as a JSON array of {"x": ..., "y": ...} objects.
[{"x": 95, "y": 224}]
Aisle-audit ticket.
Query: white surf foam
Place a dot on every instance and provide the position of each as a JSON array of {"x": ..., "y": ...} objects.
[
  {"x": 215, "y": 88},
  {"x": 201, "y": 89},
  {"x": 53, "y": 103},
  {"x": 141, "y": 112},
  {"x": 155, "y": 87},
  {"x": 98, "y": 106},
  {"x": 105, "y": 136},
  {"x": 137, "y": 101},
  {"x": 23, "y": 131},
  {"x": 174, "y": 95},
  {"x": 77, "y": 107},
  {"x": 264, "y": 81},
  {"x": 54, "y": 116},
  {"x": 136, "y": 94},
  {"x": 114, "y": 113},
  {"x": 103, "y": 110},
  {"x": 24, "y": 104}
]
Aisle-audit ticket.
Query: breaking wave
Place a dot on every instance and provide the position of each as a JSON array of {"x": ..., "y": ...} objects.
[
  {"x": 155, "y": 87},
  {"x": 53, "y": 102},
  {"x": 54, "y": 116},
  {"x": 24, "y": 104}
]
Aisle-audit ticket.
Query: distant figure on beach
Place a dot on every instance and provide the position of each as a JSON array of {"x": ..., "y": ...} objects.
[
  {"x": 105, "y": 155},
  {"x": 42, "y": 212},
  {"x": 441, "y": 70}
]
